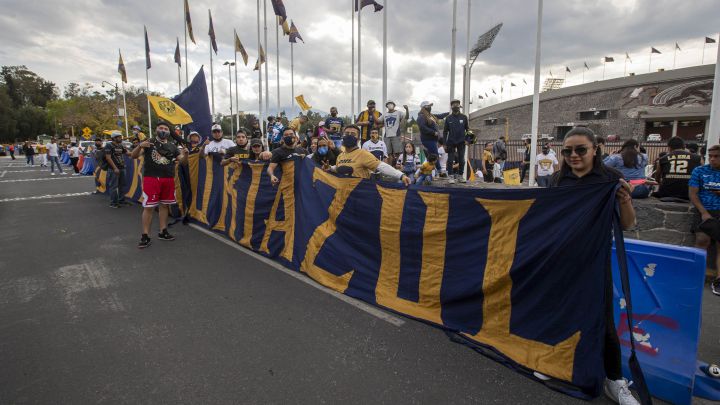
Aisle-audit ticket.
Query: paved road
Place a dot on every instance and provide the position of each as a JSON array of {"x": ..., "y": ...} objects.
[{"x": 85, "y": 317}]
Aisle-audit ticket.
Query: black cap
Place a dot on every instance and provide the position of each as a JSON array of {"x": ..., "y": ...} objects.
[
  {"x": 371, "y": 102},
  {"x": 255, "y": 141}
]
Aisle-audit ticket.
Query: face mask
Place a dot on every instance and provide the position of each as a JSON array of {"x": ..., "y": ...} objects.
[
  {"x": 349, "y": 141},
  {"x": 323, "y": 150},
  {"x": 289, "y": 140},
  {"x": 163, "y": 134},
  {"x": 545, "y": 151},
  {"x": 456, "y": 109}
]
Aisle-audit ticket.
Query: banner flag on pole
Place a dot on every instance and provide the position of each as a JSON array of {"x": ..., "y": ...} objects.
[
  {"x": 301, "y": 102},
  {"x": 194, "y": 100},
  {"x": 169, "y": 111},
  {"x": 147, "y": 50},
  {"x": 286, "y": 28},
  {"x": 279, "y": 9},
  {"x": 261, "y": 59},
  {"x": 709, "y": 40},
  {"x": 567, "y": 69},
  {"x": 364, "y": 3},
  {"x": 177, "y": 53},
  {"x": 189, "y": 22},
  {"x": 653, "y": 50},
  {"x": 240, "y": 48},
  {"x": 121, "y": 68},
  {"x": 608, "y": 59},
  {"x": 627, "y": 56},
  {"x": 677, "y": 47},
  {"x": 211, "y": 32},
  {"x": 294, "y": 33},
  {"x": 512, "y": 84}
]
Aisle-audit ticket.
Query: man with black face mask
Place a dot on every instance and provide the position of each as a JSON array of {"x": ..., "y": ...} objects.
[
  {"x": 114, "y": 155},
  {"x": 241, "y": 151},
  {"x": 287, "y": 151},
  {"x": 357, "y": 162},
  {"x": 158, "y": 180},
  {"x": 456, "y": 124}
]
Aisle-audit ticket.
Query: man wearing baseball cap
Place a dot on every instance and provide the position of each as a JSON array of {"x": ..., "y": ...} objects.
[
  {"x": 218, "y": 145},
  {"x": 114, "y": 154},
  {"x": 394, "y": 120},
  {"x": 369, "y": 120},
  {"x": 456, "y": 125}
]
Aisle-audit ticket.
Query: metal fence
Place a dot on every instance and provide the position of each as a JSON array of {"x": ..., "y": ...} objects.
[{"x": 516, "y": 149}]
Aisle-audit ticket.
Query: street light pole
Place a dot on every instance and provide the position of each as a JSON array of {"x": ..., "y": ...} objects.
[
  {"x": 229, "y": 65},
  {"x": 117, "y": 97}
]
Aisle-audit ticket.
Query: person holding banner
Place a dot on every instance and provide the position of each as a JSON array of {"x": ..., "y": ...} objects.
[
  {"x": 357, "y": 162},
  {"x": 158, "y": 186},
  {"x": 241, "y": 151},
  {"x": 287, "y": 151},
  {"x": 582, "y": 164},
  {"x": 218, "y": 145}
]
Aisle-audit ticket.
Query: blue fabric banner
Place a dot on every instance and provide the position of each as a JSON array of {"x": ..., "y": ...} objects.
[{"x": 194, "y": 100}]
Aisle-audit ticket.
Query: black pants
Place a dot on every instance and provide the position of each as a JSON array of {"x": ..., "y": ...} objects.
[
  {"x": 611, "y": 357},
  {"x": 524, "y": 167},
  {"x": 12, "y": 154},
  {"x": 73, "y": 162},
  {"x": 456, "y": 154}
]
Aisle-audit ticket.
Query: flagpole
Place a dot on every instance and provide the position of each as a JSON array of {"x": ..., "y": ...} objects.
[
  {"x": 625, "y": 70},
  {"x": 650, "y": 62},
  {"x": 212, "y": 77},
  {"x": 147, "y": 93},
  {"x": 536, "y": 96},
  {"x": 674, "y": 55},
  {"x": 277, "y": 63},
  {"x": 267, "y": 62},
  {"x": 237, "y": 100},
  {"x": 384, "y": 71},
  {"x": 125, "y": 114},
  {"x": 187, "y": 82},
  {"x": 702, "y": 61},
  {"x": 359, "y": 78},
  {"x": 604, "y": 63},
  {"x": 714, "y": 127},
  {"x": 352, "y": 64},
  {"x": 292, "y": 75},
  {"x": 179, "y": 82},
  {"x": 466, "y": 86},
  {"x": 260, "y": 95},
  {"x": 452, "y": 52}
]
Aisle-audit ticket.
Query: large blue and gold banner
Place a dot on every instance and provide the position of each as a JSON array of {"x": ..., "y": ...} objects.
[{"x": 519, "y": 271}]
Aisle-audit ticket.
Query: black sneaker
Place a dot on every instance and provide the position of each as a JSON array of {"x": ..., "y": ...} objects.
[
  {"x": 114, "y": 206},
  {"x": 715, "y": 286},
  {"x": 165, "y": 235},
  {"x": 124, "y": 203},
  {"x": 144, "y": 242}
]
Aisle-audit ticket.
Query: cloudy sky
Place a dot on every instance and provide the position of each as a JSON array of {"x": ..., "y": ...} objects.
[{"x": 78, "y": 40}]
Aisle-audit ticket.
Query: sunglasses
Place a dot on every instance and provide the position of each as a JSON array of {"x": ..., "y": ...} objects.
[
  {"x": 257, "y": 146},
  {"x": 580, "y": 150}
]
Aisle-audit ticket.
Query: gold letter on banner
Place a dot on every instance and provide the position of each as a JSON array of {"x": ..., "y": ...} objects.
[
  {"x": 227, "y": 186},
  {"x": 433, "y": 254},
  {"x": 257, "y": 170},
  {"x": 343, "y": 187},
  {"x": 557, "y": 360},
  {"x": 202, "y": 215},
  {"x": 286, "y": 191}
]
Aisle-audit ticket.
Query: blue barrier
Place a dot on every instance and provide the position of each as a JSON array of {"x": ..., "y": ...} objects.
[
  {"x": 65, "y": 158},
  {"x": 667, "y": 287},
  {"x": 88, "y": 168}
]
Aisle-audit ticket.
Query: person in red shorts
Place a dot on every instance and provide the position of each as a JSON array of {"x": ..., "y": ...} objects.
[{"x": 158, "y": 180}]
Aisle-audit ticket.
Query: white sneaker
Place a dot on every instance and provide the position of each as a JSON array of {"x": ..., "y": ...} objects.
[
  {"x": 52, "y": 174},
  {"x": 619, "y": 392},
  {"x": 462, "y": 179},
  {"x": 451, "y": 180}
]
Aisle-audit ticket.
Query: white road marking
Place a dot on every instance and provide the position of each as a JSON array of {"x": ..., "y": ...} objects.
[
  {"x": 60, "y": 177},
  {"x": 376, "y": 312},
  {"x": 43, "y": 197},
  {"x": 3, "y": 173}
]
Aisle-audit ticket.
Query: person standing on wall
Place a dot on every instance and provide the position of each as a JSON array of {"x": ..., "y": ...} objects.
[
  {"x": 429, "y": 128},
  {"x": 456, "y": 125},
  {"x": 368, "y": 120},
  {"x": 394, "y": 120}
]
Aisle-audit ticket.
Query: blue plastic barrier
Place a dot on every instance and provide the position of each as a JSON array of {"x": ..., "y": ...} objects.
[
  {"x": 667, "y": 284},
  {"x": 65, "y": 158},
  {"x": 88, "y": 168}
]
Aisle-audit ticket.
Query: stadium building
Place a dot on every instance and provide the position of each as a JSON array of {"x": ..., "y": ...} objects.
[{"x": 664, "y": 103}]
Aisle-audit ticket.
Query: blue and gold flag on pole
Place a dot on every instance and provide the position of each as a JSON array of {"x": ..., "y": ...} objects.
[
  {"x": 294, "y": 33},
  {"x": 121, "y": 68},
  {"x": 279, "y": 9},
  {"x": 362, "y": 3},
  {"x": 240, "y": 48},
  {"x": 211, "y": 33},
  {"x": 148, "y": 65},
  {"x": 188, "y": 22},
  {"x": 177, "y": 53},
  {"x": 169, "y": 111}
]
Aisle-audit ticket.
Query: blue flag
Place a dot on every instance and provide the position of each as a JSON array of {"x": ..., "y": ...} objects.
[{"x": 194, "y": 100}]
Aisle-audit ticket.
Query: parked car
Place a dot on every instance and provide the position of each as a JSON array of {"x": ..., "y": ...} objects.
[{"x": 654, "y": 138}]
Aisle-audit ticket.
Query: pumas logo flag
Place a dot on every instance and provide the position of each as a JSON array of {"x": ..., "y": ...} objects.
[{"x": 169, "y": 111}]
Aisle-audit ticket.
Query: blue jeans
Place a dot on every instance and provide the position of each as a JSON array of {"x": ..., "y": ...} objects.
[
  {"x": 543, "y": 181},
  {"x": 54, "y": 160},
  {"x": 432, "y": 149},
  {"x": 421, "y": 178},
  {"x": 115, "y": 186},
  {"x": 30, "y": 160},
  {"x": 640, "y": 191}
]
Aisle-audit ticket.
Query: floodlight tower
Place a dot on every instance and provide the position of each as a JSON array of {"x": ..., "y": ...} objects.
[{"x": 483, "y": 43}]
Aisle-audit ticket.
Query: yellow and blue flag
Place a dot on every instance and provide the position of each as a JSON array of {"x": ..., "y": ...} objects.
[
  {"x": 240, "y": 48},
  {"x": 169, "y": 111},
  {"x": 188, "y": 22},
  {"x": 211, "y": 32},
  {"x": 294, "y": 33},
  {"x": 302, "y": 103},
  {"x": 279, "y": 9},
  {"x": 121, "y": 68}
]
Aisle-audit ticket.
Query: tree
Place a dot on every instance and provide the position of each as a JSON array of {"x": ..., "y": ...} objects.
[{"x": 27, "y": 88}]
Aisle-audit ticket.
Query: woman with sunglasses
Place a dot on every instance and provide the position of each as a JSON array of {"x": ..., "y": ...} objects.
[{"x": 582, "y": 164}]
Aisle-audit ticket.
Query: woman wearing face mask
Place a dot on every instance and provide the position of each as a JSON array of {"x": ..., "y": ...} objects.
[
  {"x": 194, "y": 142},
  {"x": 429, "y": 128},
  {"x": 324, "y": 156},
  {"x": 287, "y": 151},
  {"x": 582, "y": 165}
]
